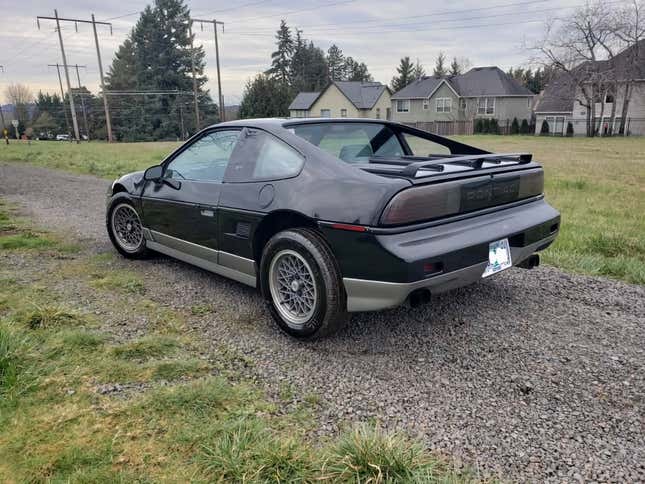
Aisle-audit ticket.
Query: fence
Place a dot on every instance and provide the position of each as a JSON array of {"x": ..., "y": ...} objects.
[
  {"x": 604, "y": 127},
  {"x": 464, "y": 127}
]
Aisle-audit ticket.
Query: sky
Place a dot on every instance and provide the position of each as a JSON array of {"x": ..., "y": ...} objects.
[{"x": 377, "y": 32}]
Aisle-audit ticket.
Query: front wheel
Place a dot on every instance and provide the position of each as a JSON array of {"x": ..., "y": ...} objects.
[
  {"x": 125, "y": 229},
  {"x": 301, "y": 283}
]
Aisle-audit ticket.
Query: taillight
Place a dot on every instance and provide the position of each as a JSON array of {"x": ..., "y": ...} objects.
[{"x": 438, "y": 200}]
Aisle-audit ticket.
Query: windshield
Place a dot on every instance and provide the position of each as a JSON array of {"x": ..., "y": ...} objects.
[{"x": 352, "y": 142}]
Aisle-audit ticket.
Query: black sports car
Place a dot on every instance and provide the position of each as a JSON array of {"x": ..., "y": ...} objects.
[{"x": 332, "y": 216}]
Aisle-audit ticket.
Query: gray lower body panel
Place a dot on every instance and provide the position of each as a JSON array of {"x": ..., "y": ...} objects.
[
  {"x": 228, "y": 265},
  {"x": 366, "y": 295}
]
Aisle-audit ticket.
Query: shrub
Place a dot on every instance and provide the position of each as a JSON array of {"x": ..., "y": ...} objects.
[
  {"x": 485, "y": 125},
  {"x": 479, "y": 126},
  {"x": 569, "y": 129},
  {"x": 525, "y": 128},
  {"x": 493, "y": 127},
  {"x": 544, "y": 130},
  {"x": 515, "y": 126}
]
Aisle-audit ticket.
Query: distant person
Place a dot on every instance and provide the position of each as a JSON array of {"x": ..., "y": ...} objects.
[{"x": 5, "y": 134}]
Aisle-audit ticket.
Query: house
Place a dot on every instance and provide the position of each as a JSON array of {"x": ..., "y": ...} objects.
[
  {"x": 482, "y": 92},
  {"x": 562, "y": 102},
  {"x": 344, "y": 99}
]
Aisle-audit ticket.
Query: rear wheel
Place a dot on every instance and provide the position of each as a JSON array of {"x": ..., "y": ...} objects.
[
  {"x": 302, "y": 286},
  {"x": 125, "y": 229}
]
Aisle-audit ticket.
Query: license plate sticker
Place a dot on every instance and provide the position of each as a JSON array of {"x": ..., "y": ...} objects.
[{"x": 499, "y": 257}]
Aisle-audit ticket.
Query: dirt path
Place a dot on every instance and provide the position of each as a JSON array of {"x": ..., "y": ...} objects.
[{"x": 531, "y": 376}]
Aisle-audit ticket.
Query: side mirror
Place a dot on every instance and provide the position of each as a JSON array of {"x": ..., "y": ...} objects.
[{"x": 154, "y": 173}]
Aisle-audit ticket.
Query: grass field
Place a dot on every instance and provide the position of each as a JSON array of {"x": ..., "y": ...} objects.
[
  {"x": 597, "y": 184},
  {"x": 79, "y": 405}
]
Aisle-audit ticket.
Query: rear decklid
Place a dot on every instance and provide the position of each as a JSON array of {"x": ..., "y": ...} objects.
[{"x": 443, "y": 186}]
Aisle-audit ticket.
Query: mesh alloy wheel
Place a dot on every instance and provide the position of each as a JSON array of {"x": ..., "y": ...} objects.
[
  {"x": 293, "y": 287},
  {"x": 126, "y": 227}
]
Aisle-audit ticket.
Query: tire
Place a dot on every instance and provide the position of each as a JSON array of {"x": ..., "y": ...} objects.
[
  {"x": 128, "y": 240},
  {"x": 302, "y": 286}
]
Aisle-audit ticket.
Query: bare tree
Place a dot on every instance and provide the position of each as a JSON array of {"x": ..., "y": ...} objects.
[
  {"x": 20, "y": 96},
  {"x": 629, "y": 29},
  {"x": 573, "y": 47}
]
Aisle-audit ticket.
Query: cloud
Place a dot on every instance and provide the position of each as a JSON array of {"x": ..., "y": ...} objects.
[{"x": 378, "y": 32}]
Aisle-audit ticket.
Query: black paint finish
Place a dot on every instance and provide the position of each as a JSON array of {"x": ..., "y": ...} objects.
[{"x": 226, "y": 215}]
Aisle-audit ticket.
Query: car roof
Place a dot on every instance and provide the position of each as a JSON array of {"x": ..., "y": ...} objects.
[{"x": 285, "y": 122}]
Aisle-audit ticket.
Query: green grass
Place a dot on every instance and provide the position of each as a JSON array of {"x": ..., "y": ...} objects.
[
  {"x": 183, "y": 414},
  {"x": 597, "y": 184},
  {"x": 95, "y": 158}
]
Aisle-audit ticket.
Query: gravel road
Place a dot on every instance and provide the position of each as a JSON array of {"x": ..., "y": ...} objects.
[{"x": 529, "y": 376}]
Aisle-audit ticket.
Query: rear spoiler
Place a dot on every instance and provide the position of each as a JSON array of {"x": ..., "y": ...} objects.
[{"x": 410, "y": 165}]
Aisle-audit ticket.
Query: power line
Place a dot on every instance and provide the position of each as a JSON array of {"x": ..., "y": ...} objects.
[
  {"x": 234, "y": 8},
  {"x": 284, "y": 14}
]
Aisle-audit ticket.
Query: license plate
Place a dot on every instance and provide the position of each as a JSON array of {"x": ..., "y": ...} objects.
[{"x": 499, "y": 257}]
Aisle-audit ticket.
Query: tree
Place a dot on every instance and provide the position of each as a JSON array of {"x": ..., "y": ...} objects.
[
  {"x": 52, "y": 105},
  {"x": 336, "y": 63},
  {"x": 404, "y": 76},
  {"x": 440, "y": 65},
  {"x": 356, "y": 71},
  {"x": 574, "y": 48},
  {"x": 455, "y": 67},
  {"x": 308, "y": 67},
  {"x": 493, "y": 127},
  {"x": 544, "y": 130},
  {"x": 418, "y": 71},
  {"x": 479, "y": 126},
  {"x": 265, "y": 96},
  {"x": 569, "y": 129},
  {"x": 281, "y": 58},
  {"x": 524, "y": 127},
  {"x": 20, "y": 96},
  {"x": 515, "y": 126},
  {"x": 45, "y": 124},
  {"x": 158, "y": 55}
]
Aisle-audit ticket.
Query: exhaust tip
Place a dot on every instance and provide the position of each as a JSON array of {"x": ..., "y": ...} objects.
[{"x": 530, "y": 262}]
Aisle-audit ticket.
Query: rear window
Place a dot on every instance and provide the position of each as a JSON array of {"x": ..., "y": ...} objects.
[{"x": 352, "y": 142}]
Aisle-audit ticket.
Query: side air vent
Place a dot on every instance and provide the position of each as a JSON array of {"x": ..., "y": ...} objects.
[{"x": 243, "y": 229}]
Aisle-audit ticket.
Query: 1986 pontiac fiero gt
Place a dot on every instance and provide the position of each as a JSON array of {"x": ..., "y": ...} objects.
[{"x": 332, "y": 216}]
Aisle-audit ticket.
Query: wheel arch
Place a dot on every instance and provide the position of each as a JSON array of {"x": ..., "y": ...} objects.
[
  {"x": 118, "y": 188},
  {"x": 275, "y": 222}
]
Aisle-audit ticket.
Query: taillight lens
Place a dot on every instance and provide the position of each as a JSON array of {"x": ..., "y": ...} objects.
[{"x": 429, "y": 202}]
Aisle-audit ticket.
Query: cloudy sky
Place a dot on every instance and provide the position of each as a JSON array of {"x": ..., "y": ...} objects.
[{"x": 378, "y": 32}]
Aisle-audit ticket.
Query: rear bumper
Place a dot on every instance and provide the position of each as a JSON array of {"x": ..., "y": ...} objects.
[{"x": 459, "y": 248}]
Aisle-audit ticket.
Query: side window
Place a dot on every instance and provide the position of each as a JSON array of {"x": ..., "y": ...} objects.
[
  {"x": 206, "y": 159},
  {"x": 261, "y": 156},
  {"x": 424, "y": 147}
]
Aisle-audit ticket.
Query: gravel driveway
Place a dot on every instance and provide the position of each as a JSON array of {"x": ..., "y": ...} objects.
[{"x": 529, "y": 376}]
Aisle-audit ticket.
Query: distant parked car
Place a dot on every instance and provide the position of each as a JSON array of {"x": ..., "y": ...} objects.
[
  {"x": 332, "y": 216},
  {"x": 62, "y": 137}
]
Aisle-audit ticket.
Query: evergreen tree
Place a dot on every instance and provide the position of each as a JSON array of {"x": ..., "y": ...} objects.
[
  {"x": 569, "y": 129},
  {"x": 52, "y": 105},
  {"x": 515, "y": 126},
  {"x": 455, "y": 67},
  {"x": 440, "y": 65},
  {"x": 404, "y": 76},
  {"x": 308, "y": 70},
  {"x": 524, "y": 127},
  {"x": 544, "y": 130},
  {"x": 281, "y": 58},
  {"x": 356, "y": 71},
  {"x": 418, "y": 71},
  {"x": 493, "y": 127},
  {"x": 157, "y": 56},
  {"x": 265, "y": 96},
  {"x": 336, "y": 63}
]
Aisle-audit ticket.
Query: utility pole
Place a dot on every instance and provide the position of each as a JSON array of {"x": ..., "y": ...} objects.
[
  {"x": 108, "y": 121},
  {"x": 222, "y": 110},
  {"x": 77, "y": 67},
  {"x": 78, "y": 76},
  {"x": 192, "y": 66},
  {"x": 1, "y": 113},
  {"x": 94, "y": 23},
  {"x": 62, "y": 94}
]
